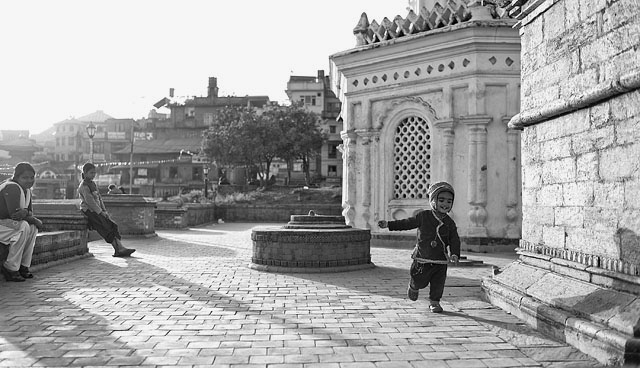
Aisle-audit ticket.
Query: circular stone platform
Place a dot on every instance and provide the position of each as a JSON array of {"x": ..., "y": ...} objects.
[{"x": 311, "y": 243}]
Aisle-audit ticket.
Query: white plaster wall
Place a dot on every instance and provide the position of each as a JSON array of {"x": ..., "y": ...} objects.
[{"x": 469, "y": 87}]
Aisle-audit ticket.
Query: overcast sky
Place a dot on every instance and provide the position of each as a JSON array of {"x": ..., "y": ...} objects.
[{"x": 68, "y": 58}]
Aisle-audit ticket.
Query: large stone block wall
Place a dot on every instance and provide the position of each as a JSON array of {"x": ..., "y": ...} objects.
[
  {"x": 578, "y": 274},
  {"x": 569, "y": 46},
  {"x": 581, "y": 171},
  {"x": 581, "y": 186}
]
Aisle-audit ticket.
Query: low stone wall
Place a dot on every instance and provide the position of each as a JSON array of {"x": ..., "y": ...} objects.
[
  {"x": 64, "y": 236},
  {"x": 200, "y": 213},
  {"x": 273, "y": 213},
  {"x": 134, "y": 214},
  {"x": 54, "y": 247},
  {"x": 168, "y": 215}
]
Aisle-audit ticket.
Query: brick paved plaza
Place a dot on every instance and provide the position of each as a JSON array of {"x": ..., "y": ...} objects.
[{"x": 188, "y": 299}]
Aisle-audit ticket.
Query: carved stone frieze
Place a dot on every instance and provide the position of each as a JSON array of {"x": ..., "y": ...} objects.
[{"x": 590, "y": 260}]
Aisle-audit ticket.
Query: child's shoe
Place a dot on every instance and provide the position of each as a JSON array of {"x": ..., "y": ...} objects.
[
  {"x": 412, "y": 293},
  {"x": 435, "y": 307}
]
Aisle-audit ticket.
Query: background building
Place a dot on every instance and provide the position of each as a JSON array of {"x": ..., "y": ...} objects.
[{"x": 316, "y": 96}]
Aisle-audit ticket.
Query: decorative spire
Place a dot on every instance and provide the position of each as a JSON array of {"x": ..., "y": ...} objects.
[
  {"x": 451, "y": 13},
  {"x": 361, "y": 29}
]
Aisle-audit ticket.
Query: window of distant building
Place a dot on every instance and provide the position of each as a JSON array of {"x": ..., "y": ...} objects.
[
  {"x": 332, "y": 129},
  {"x": 333, "y": 151},
  {"x": 98, "y": 147},
  {"x": 190, "y": 112},
  {"x": 332, "y": 170},
  {"x": 173, "y": 172},
  {"x": 208, "y": 118},
  {"x": 308, "y": 100}
]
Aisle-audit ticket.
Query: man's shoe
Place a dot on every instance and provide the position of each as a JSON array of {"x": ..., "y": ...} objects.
[
  {"x": 11, "y": 275},
  {"x": 412, "y": 293},
  {"x": 124, "y": 253},
  {"x": 435, "y": 307},
  {"x": 24, "y": 272}
]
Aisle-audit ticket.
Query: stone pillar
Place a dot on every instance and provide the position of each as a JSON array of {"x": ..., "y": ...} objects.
[
  {"x": 513, "y": 187},
  {"x": 349, "y": 179},
  {"x": 477, "y": 173},
  {"x": 446, "y": 161},
  {"x": 367, "y": 139}
]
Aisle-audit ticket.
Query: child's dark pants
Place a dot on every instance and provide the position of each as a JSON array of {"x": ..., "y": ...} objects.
[{"x": 423, "y": 274}]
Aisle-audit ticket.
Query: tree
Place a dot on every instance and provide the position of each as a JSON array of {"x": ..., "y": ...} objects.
[
  {"x": 228, "y": 142},
  {"x": 240, "y": 136},
  {"x": 302, "y": 137}
]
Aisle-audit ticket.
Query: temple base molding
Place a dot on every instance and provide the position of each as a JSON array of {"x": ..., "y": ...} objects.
[{"x": 593, "y": 309}]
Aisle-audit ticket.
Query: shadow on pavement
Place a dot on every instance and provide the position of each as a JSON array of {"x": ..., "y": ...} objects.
[{"x": 126, "y": 308}]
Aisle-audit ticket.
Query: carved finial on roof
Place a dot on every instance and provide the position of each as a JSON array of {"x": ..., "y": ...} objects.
[
  {"x": 480, "y": 10},
  {"x": 361, "y": 29}
]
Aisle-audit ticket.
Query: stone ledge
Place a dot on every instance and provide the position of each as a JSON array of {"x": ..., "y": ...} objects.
[
  {"x": 614, "y": 273},
  {"x": 280, "y": 269},
  {"x": 593, "y": 96},
  {"x": 601, "y": 322}
]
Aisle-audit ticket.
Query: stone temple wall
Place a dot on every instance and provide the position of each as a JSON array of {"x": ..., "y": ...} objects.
[
  {"x": 581, "y": 138},
  {"x": 578, "y": 274}
]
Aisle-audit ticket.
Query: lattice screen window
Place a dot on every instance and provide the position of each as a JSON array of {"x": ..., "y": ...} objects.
[{"x": 412, "y": 159}]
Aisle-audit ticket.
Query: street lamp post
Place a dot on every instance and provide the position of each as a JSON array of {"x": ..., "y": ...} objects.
[
  {"x": 205, "y": 169},
  {"x": 91, "y": 132}
]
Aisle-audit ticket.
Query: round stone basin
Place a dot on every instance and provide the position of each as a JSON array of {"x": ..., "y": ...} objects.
[{"x": 311, "y": 243}]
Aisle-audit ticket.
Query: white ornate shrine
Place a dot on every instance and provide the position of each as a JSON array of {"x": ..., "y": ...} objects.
[{"x": 427, "y": 98}]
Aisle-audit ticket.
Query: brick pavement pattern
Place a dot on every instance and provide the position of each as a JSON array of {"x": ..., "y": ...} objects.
[{"x": 188, "y": 299}]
